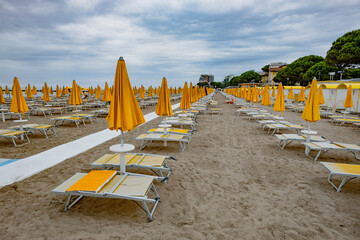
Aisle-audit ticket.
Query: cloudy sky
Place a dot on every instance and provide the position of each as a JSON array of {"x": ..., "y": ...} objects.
[{"x": 58, "y": 41}]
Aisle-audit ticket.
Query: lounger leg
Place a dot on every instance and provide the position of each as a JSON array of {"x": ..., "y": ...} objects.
[
  {"x": 338, "y": 189},
  {"x": 68, "y": 205},
  {"x": 356, "y": 155},
  {"x": 318, "y": 155}
]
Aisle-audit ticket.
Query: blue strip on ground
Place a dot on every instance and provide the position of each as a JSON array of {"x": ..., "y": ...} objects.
[{"x": 8, "y": 161}]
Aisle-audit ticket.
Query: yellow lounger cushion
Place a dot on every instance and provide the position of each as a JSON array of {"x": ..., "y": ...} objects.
[
  {"x": 93, "y": 181},
  {"x": 349, "y": 168},
  {"x": 14, "y": 133}
]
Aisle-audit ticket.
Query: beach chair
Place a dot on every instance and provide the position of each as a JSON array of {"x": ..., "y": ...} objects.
[
  {"x": 347, "y": 171},
  {"x": 42, "y": 128},
  {"x": 58, "y": 110},
  {"x": 41, "y": 110},
  {"x": 70, "y": 119},
  {"x": 284, "y": 139},
  {"x": 323, "y": 147},
  {"x": 272, "y": 121},
  {"x": 111, "y": 184},
  {"x": 171, "y": 130},
  {"x": 214, "y": 111},
  {"x": 85, "y": 116},
  {"x": 101, "y": 112},
  {"x": 276, "y": 127},
  {"x": 181, "y": 122},
  {"x": 13, "y": 135},
  {"x": 155, "y": 163},
  {"x": 342, "y": 121},
  {"x": 150, "y": 137}
]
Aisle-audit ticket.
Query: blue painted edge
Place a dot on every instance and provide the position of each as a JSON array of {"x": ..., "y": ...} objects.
[{"x": 7, "y": 162}]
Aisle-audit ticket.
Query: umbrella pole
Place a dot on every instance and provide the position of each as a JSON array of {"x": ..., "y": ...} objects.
[{"x": 122, "y": 154}]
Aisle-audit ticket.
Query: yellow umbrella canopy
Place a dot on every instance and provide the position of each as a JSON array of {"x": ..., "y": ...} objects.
[
  {"x": 163, "y": 107},
  {"x": 254, "y": 95},
  {"x": 185, "y": 99},
  {"x": 18, "y": 103},
  {"x": 98, "y": 92},
  {"x": 75, "y": 98},
  {"x": 58, "y": 91},
  {"x": 311, "y": 110},
  {"x": 106, "y": 94},
  {"x": 142, "y": 91},
  {"x": 291, "y": 94},
  {"x": 348, "y": 100},
  {"x": 2, "y": 99},
  {"x": 302, "y": 95},
  {"x": 279, "y": 104},
  {"x": 321, "y": 96},
  {"x": 150, "y": 91},
  {"x": 7, "y": 90},
  {"x": 191, "y": 93},
  {"x": 46, "y": 96},
  {"x": 51, "y": 91},
  {"x": 29, "y": 93},
  {"x": 248, "y": 94},
  {"x": 265, "y": 101},
  {"x": 34, "y": 90},
  {"x": 273, "y": 92},
  {"x": 196, "y": 98},
  {"x": 124, "y": 113}
]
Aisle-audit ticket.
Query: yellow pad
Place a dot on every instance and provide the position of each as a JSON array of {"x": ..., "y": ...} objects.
[
  {"x": 179, "y": 130},
  {"x": 93, "y": 181},
  {"x": 349, "y": 168},
  {"x": 15, "y": 133},
  {"x": 44, "y": 126},
  {"x": 156, "y": 161}
]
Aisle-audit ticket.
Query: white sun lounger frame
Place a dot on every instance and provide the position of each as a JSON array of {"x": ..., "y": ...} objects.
[
  {"x": 285, "y": 139},
  {"x": 157, "y": 137},
  {"x": 145, "y": 200},
  {"x": 323, "y": 147}
]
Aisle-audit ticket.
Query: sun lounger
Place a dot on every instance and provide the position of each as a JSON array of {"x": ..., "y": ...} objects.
[
  {"x": 101, "y": 112},
  {"x": 171, "y": 130},
  {"x": 89, "y": 117},
  {"x": 285, "y": 139},
  {"x": 59, "y": 110},
  {"x": 41, "y": 110},
  {"x": 342, "y": 121},
  {"x": 111, "y": 184},
  {"x": 272, "y": 121},
  {"x": 181, "y": 123},
  {"x": 347, "y": 171},
  {"x": 276, "y": 127},
  {"x": 70, "y": 119},
  {"x": 12, "y": 135},
  {"x": 214, "y": 111},
  {"x": 155, "y": 163},
  {"x": 42, "y": 128},
  {"x": 150, "y": 137},
  {"x": 326, "y": 146}
]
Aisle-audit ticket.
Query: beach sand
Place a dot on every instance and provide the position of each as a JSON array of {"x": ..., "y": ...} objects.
[{"x": 231, "y": 182}]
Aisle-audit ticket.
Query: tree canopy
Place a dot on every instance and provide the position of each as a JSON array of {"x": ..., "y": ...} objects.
[
  {"x": 216, "y": 84},
  {"x": 345, "y": 51},
  {"x": 202, "y": 84},
  {"x": 245, "y": 77},
  {"x": 295, "y": 71},
  {"x": 323, "y": 69},
  {"x": 265, "y": 68}
]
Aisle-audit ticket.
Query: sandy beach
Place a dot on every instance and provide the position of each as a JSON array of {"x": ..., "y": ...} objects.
[{"x": 231, "y": 182}]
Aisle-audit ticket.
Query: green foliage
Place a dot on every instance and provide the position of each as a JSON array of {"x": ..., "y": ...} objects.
[
  {"x": 351, "y": 73},
  {"x": 216, "y": 84},
  {"x": 323, "y": 69},
  {"x": 245, "y": 77},
  {"x": 345, "y": 51},
  {"x": 295, "y": 71},
  {"x": 265, "y": 68},
  {"x": 202, "y": 84}
]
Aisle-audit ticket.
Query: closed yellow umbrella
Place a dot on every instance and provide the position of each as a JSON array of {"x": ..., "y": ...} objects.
[
  {"x": 321, "y": 96},
  {"x": 7, "y": 90},
  {"x": 18, "y": 103},
  {"x": 185, "y": 99},
  {"x": 98, "y": 92},
  {"x": 2, "y": 99},
  {"x": 254, "y": 95},
  {"x": 273, "y": 92},
  {"x": 265, "y": 101},
  {"x": 29, "y": 93},
  {"x": 196, "y": 98},
  {"x": 106, "y": 93},
  {"x": 58, "y": 91},
  {"x": 248, "y": 94},
  {"x": 124, "y": 112},
  {"x": 163, "y": 107},
  {"x": 348, "y": 100},
  {"x": 34, "y": 90},
  {"x": 142, "y": 91},
  {"x": 291, "y": 94},
  {"x": 191, "y": 93},
  {"x": 75, "y": 98},
  {"x": 46, "y": 96},
  {"x": 311, "y": 110},
  {"x": 302, "y": 95},
  {"x": 51, "y": 91},
  {"x": 279, "y": 104}
]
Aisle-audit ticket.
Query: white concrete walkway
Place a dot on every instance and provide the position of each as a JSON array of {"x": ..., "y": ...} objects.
[{"x": 29, "y": 166}]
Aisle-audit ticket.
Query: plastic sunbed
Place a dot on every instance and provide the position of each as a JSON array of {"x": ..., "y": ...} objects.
[
  {"x": 214, "y": 110},
  {"x": 326, "y": 146},
  {"x": 277, "y": 126},
  {"x": 342, "y": 121},
  {"x": 347, "y": 171},
  {"x": 150, "y": 137},
  {"x": 181, "y": 123},
  {"x": 111, "y": 184},
  {"x": 71, "y": 119},
  {"x": 156, "y": 163},
  {"x": 41, "y": 110},
  {"x": 171, "y": 130},
  {"x": 285, "y": 139},
  {"x": 11, "y": 135},
  {"x": 42, "y": 128}
]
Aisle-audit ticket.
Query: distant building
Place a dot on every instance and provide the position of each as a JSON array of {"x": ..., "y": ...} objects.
[
  {"x": 228, "y": 78},
  {"x": 274, "y": 68},
  {"x": 208, "y": 78}
]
